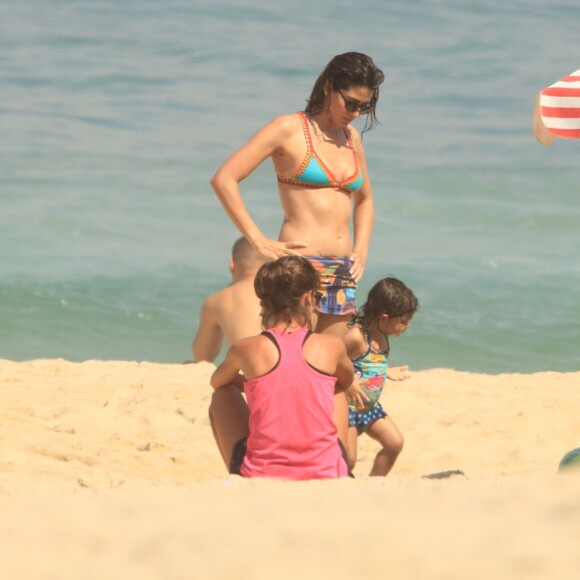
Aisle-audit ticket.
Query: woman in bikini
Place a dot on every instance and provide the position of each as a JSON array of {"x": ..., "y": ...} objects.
[{"x": 323, "y": 183}]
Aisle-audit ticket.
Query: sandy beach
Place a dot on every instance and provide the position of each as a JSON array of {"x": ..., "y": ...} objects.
[{"x": 109, "y": 470}]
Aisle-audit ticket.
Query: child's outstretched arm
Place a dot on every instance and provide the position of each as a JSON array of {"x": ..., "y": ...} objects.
[{"x": 398, "y": 373}]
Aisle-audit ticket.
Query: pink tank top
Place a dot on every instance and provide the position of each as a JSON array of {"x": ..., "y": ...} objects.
[{"x": 292, "y": 432}]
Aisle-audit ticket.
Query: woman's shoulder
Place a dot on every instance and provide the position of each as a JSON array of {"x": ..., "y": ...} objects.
[
  {"x": 288, "y": 123},
  {"x": 280, "y": 131}
]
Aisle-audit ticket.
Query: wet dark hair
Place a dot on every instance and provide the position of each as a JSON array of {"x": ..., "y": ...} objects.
[
  {"x": 388, "y": 296},
  {"x": 351, "y": 69},
  {"x": 280, "y": 285}
]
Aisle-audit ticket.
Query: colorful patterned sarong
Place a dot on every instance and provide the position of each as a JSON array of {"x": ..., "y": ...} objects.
[{"x": 336, "y": 284}]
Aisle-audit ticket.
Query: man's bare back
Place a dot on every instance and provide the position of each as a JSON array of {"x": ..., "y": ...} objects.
[{"x": 233, "y": 312}]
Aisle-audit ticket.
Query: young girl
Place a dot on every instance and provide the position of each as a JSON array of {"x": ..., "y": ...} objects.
[
  {"x": 294, "y": 382},
  {"x": 387, "y": 312}
]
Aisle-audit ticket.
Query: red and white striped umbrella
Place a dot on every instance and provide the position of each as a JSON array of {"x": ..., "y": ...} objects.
[{"x": 557, "y": 110}]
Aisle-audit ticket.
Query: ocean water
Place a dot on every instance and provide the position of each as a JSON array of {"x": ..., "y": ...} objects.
[{"x": 114, "y": 116}]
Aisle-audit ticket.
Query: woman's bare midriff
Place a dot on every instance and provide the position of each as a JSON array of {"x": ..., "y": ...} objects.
[{"x": 319, "y": 217}]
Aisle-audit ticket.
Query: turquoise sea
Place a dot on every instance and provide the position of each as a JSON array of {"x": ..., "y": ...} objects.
[{"x": 114, "y": 115}]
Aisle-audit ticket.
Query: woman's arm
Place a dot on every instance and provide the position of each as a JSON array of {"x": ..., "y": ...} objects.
[
  {"x": 242, "y": 163},
  {"x": 363, "y": 216}
]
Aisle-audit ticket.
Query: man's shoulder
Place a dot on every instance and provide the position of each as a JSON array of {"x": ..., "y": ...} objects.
[
  {"x": 217, "y": 298},
  {"x": 212, "y": 301},
  {"x": 240, "y": 290},
  {"x": 239, "y": 297}
]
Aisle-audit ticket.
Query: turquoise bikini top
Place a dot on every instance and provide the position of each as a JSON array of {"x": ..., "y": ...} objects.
[{"x": 315, "y": 174}]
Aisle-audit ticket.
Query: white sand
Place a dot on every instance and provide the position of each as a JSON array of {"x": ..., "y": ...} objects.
[{"x": 108, "y": 470}]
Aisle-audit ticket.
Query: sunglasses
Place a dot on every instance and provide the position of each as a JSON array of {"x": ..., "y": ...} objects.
[
  {"x": 317, "y": 297},
  {"x": 352, "y": 105}
]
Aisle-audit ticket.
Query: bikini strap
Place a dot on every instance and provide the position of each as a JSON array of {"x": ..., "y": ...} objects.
[
  {"x": 367, "y": 337},
  {"x": 306, "y": 130},
  {"x": 307, "y": 157},
  {"x": 353, "y": 149}
]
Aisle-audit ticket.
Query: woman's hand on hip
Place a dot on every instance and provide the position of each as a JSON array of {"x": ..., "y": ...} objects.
[
  {"x": 273, "y": 249},
  {"x": 357, "y": 267}
]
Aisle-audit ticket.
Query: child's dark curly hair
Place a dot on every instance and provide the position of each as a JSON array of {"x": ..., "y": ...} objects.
[{"x": 388, "y": 296}]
